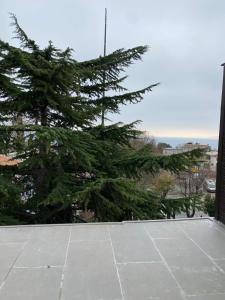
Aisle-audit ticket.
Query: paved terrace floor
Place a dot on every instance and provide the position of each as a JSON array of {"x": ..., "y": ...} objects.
[{"x": 168, "y": 260}]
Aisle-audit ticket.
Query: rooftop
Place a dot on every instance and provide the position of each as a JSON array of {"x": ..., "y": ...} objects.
[
  {"x": 168, "y": 260},
  {"x": 8, "y": 161}
]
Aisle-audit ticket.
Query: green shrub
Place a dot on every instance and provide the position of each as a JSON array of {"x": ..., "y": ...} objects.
[{"x": 209, "y": 205}]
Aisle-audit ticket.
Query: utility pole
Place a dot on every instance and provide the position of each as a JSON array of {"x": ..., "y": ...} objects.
[
  {"x": 220, "y": 177},
  {"x": 104, "y": 54}
]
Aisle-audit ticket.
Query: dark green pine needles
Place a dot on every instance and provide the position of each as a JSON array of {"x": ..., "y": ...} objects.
[{"x": 50, "y": 108}]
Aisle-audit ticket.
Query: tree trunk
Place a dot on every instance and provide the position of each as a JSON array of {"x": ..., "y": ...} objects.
[{"x": 41, "y": 174}]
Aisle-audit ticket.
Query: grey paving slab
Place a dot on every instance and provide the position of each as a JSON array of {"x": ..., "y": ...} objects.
[
  {"x": 90, "y": 273},
  {"x": 194, "y": 271},
  {"x": 132, "y": 244},
  {"x": 89, "y": 233},
  {"x": 47, "y": 247},
  {"x": 208, "y": 297},
  {"x": 182, "y": 252},
  {"x": 221, "y": 264},
  {"x": 32, "y": 284},
  {"x": 163, "y": 230},
  {"x": 148, "y": 281},
  {"x": 15, "y": 234},
  {"x": 8, "y": 254},
  {"x": 206, "y": 234},
  {"x": 128, "y": 261}
]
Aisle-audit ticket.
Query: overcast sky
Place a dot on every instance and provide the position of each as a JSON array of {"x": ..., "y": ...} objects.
[{"x": 187, "y": 47}]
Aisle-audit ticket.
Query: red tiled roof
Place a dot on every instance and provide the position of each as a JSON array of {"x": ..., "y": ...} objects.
[{"x": 7, "y": 161}]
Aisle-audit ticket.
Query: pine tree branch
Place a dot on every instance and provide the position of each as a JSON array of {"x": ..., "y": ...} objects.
[
  {"x": 111, "y": 103},
  {"x": 21, "y": 35},
  {"x": 98, "y": 88},
  {"x": 143, "y": 161}
]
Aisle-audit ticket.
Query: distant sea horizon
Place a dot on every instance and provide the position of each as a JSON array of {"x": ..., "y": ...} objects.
[{"x": 175, "y": 141}]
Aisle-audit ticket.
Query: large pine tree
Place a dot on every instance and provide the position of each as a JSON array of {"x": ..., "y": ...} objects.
[{"x": 67, "y": 159}]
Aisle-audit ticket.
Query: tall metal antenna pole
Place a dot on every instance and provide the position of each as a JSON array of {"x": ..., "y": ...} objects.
[
  {"x": 105, "y": 32},
  {"x": 104, "y": 54}
]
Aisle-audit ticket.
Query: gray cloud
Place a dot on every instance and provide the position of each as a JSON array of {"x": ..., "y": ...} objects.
[{"x": 186, "y": 50}]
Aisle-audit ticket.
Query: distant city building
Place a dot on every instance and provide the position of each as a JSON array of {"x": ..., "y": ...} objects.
[
  {"x": 212, "y": 160},
  {"x": 170, "y": 151},
  {"x": 209, "y": 160},
  {"x": 185, "y": 148}
]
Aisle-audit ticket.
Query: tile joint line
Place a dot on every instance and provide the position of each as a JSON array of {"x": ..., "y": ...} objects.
[
  {"x": 13, "y": 264},
  {"x": 203, "y": 251},
  {"x": 115, "y": 263},
  {"x": 183, "y": 295},
  {"x": 65, "y": 263}
]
